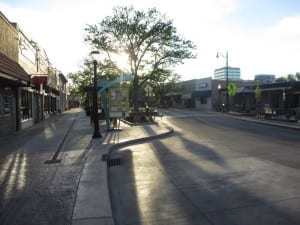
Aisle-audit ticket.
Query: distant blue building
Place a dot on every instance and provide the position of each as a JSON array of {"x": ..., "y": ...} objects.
[{"x": 265, "y": 78}]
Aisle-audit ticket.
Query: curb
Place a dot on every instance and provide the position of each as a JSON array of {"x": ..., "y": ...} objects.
[
  {"x": 137, "y": 141},
  {"x": 265, "y": 122},
  {"x": 88, "y": 196}
]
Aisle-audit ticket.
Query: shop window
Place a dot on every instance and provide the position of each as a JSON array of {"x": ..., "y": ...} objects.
[
  {"x": 7, "y": 105},
  {"x": 47, "y": 104},
  {"x": 26, "y": 104}
]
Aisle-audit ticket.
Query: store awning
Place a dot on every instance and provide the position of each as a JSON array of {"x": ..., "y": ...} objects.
[
  {"x": 37, "y": 80},
  {"x": 54, "y": 91},
  {"x": 244, "y": 90},
  {"x": 12, "y": 71},
  {"x": 186, "y": 96},
  {"x": 172, "y": 93},
  {"x": 206, "y": 93}
]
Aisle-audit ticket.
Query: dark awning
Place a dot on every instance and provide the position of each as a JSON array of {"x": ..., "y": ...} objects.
[
  {"x": 54, "y": 91},
  {"x": 244, "y": 90},
  {"x": 11, "y": 70},
  {"x": 172, "y": 93},
  {"x": 206, "y": 93},
  {"x": 37, "y": 80}
]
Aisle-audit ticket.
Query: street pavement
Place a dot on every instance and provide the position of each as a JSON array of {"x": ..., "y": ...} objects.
[
  {"x": 196, "y": 177},
  {"x": 74, "y": 190}
]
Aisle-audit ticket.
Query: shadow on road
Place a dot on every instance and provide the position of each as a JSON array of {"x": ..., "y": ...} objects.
[{"x": 182, "y": 181}]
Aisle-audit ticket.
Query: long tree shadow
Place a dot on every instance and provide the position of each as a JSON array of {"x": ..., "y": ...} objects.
[
  {"x": 252, "y": 141},
  {"x": 202, "y": 186},
  {"x": 218, "y": 187}
]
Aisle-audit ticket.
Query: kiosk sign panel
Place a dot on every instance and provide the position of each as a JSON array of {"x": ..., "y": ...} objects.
[{"x": 118, "y": 102}]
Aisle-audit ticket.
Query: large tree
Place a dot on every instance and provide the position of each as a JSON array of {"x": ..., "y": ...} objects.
[{"x": 147, "y": 39}]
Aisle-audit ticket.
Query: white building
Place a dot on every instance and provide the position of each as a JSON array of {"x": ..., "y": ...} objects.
[{"x": 234, "y": 73}]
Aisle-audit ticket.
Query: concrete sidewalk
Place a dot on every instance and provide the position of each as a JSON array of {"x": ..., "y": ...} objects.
[{"x": 92, "y": 204}]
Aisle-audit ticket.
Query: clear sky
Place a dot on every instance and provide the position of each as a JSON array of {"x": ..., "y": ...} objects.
[{"x": 261, "y": 36}]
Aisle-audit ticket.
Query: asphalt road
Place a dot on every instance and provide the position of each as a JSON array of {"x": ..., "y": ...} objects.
[{"x": 214, "y": 170}]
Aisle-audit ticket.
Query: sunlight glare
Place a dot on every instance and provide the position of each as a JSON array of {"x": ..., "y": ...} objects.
[
  {"x": 15, "y": 174},
  {"x": 121, "y": 61}
]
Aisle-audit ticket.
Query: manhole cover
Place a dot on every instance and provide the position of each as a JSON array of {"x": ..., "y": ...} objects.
[{"x": 114, "y": 162}]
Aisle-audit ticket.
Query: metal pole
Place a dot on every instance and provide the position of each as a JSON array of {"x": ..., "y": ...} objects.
[{"x": 95, "y": 104}]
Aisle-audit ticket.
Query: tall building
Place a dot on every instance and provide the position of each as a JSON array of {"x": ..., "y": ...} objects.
[{"x": 234, "y": 73}]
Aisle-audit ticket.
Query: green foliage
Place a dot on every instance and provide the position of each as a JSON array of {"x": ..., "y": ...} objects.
[
  {"x": 164, "y": 84},
  {"x": 289, "y": 77},
  {"x": 84, "y": 77},
  {"x": 281, "y": 79},
  {"x": 147, "y": 38}
]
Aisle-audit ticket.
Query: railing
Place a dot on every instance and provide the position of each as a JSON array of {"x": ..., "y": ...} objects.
[{"x": 290, "y": 114}]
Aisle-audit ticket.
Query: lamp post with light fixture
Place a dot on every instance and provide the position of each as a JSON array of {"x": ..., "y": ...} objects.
[
  {"x": 96, "y": 134},
  {"x": 227, "y": 95},
  {"x": 219, "y": 99}
]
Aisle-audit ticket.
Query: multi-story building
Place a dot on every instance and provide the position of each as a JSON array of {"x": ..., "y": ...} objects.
[
  {"x": 30, "y": 88},
  {"x": 12, "y": 78},
  {"x": 234, "y": 73}
]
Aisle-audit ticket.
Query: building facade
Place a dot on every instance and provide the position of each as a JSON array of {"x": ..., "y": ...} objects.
[
  {"x": 234, "y": 73},
  {"x": 204, "y": 94},
  {"x": 267, "y": 78},
  {"x": 279, "y": 100},
  {"x": 30, "y": 88}
]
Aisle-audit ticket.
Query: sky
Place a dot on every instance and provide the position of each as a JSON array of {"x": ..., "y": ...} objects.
[{"x": 260, "y": 36}]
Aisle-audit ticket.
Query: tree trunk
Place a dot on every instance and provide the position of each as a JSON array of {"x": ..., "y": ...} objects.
[{"x": 136, "y": 94}]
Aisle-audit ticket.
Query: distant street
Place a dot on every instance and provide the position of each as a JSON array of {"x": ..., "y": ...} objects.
[{"x": 214, "y": 170}]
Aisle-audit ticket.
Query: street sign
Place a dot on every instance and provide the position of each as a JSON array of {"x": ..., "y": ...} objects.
[
  {"x": 257, "y": 93},
  {"x": 232, "y": 89}
]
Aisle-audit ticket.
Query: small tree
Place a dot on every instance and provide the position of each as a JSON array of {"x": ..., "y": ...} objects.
[
  {"x": 164, "y": 84},
  {"x": 289, "y": 77},
  {"x": 148, "y": 40},
  {"x": 297, "y": 76},
  {"x": 84, "y": 77}
]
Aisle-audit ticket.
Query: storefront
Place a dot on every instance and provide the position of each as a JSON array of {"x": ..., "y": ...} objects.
[{"x": 12, "y": 79}]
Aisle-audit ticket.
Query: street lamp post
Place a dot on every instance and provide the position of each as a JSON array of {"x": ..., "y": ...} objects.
[
  {"x": 227, "y": 95},
  {"x": 219, "y": 99},
  {"x": 97, "y": 133}
]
